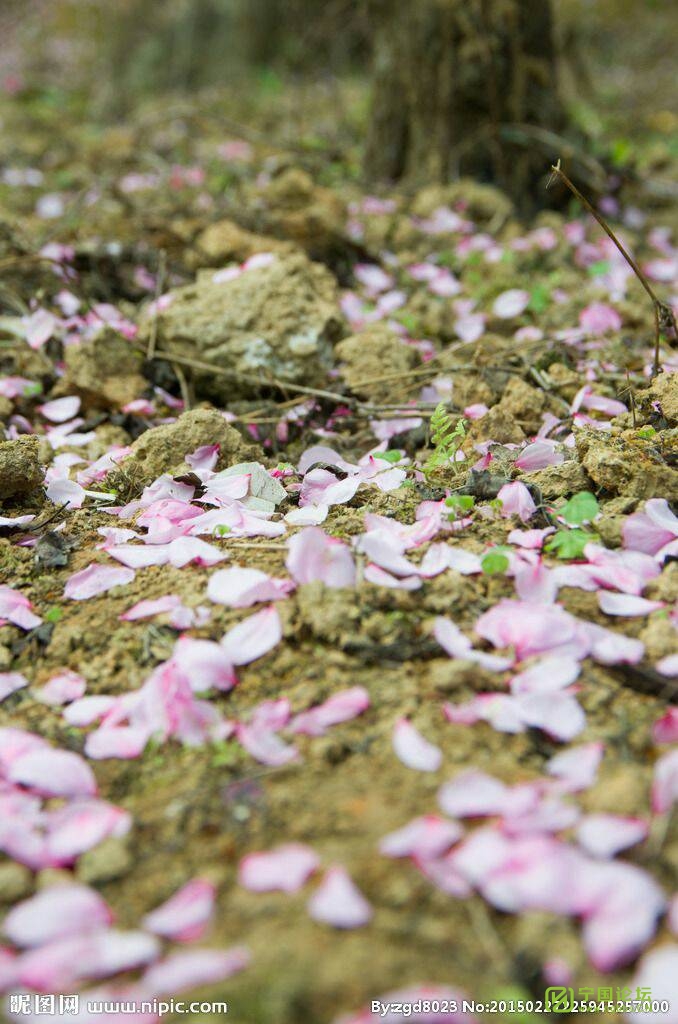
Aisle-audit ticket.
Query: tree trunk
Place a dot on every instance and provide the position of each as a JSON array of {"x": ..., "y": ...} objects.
[{"x": 462, "y": 87}]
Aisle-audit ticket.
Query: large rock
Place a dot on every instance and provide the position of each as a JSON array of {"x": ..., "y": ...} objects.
[
  {"x": 277, "y": 320},
  {"x": 619, "y": 465},
  {"x": 20, "y": 469},
  {"x": 374, "y": 353},
  {"x": 105, "y": 372},
  {"x": 163, "y": 449},
  {"x": 293, "y": 207},
  {"x": 225, "y": 242}
]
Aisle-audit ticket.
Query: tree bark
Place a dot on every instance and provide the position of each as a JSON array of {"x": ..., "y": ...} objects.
[{"x": 462, "y": 87}]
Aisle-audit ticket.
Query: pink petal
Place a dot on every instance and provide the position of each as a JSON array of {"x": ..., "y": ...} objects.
[
  {"x": 81, "y": 825},
  {"x": 511, "y": 303},
  {"x": 122, "y": 741},
  {"x": 65, "y": 492},
  {"x": 604, "y": 835},
  {"x": 62, "y": 689},
  {"x": 534, "y": 581},
  {"x": 10, "y": 682},
  {"x": 413, "y": 750},
  {"x": 99, "y": 954},
  {"x": 54, "y": 913},
  {"x": 205, "y": 664},
  {"x": 626, "y": 604},
  {"x": 425, "y": 837},
  {"x": 668, "y": 666},
  {"x": 265, "y": 746},
  {"x": 577, "y": 767},
  {"x": 240, "y": 588},
  {"x": 53, "y": 773},
  {"x": 340, "y": 707},
  {"x": 539, "y": 455},
  {"x": 382, "y": 578},
  {"x": 517, "y": 500},
  {"x": 551, "y": 673},
  {"x": 253, "y": 637},
  {"x": 182, "y": 971},
  {"x": 148, "y": 608},
  {"x": 185, "y": 916},
  {"x": 530, "y": 628},
  {"x": 473, "y": 794},
  {"x": 338, "y": 902},
  {"x": 312, "y": 555},
  {"x": 657, "y": 973},
  {"x": 96, "y": 579},
  {"x": 88, "y": 710},
  {"x": 59, "y": 410},
  {"x": 665, "y": 729},
  {"x": 557, "y": 714},
  {"x": 456, "y": 645},
  {"x": 665, "y": 783},
  {"x": 15, "y": 607},
  {"x": 287, "y": 868},
  {"x": 651, "y": 529},
  {"x": 532, "y": 539},
  {"x": 598, "y": 318}
]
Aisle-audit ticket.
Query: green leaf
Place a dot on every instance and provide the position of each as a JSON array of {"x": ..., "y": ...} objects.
[
  {"x": 540, "y": 298},
  {"x": 647, "y": 433},
  {"x": 460, "y": 502},
  {"x": 570, "y": 544},
  {"x": 598, "y": 268},
  {"x": 581, "y": 508},
  {"x": 392, "y": 455},
  {"x": 53, "y": 614},
  {"x": 494, "y": 563},
  {"x": 222, "y": 530}
]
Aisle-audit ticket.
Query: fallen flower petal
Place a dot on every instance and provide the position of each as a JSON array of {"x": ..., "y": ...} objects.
[
  {"x": 185, "y": 915},
  {"x": 338, "y": 902},
  {"x": 413, "y": 750},
  {"x": 312, "y": 555},
  {"x": 55, "y": 912},
  {"x": 287, "y": 868},
  {"x": 94, "y": 580}
]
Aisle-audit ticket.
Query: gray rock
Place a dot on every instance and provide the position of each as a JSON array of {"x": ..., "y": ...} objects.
[
  {"x": 20, "y": 469},
  {"x": 278, "y": 320}
]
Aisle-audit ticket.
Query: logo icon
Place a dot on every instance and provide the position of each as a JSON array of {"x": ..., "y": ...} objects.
[{"x": 559, "y": 999}]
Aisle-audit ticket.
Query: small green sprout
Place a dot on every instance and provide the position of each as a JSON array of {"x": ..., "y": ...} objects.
[
  {"x": 447, "y": 438},
  {"x": 495, "y": 562},
  {"x": 392, "y": 455},
  {"x": 459, "y": 504},
  {"x": 569, "y": 544},
  {"x": 581, "y": 508}
]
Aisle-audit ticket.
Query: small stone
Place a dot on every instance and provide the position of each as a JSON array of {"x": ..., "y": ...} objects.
[
  {"x": 110, "y": 859},
  {"x": 16, "y": 881},
  {"x": 48, "y": 877},
  {"x": 20, "y": 469},
  {"x": 163, "y": 449},
  {"x": 373, "y": 353}
]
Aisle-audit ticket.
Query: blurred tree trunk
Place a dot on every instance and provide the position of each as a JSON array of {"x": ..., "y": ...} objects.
[{"x": 462, "y": 87}]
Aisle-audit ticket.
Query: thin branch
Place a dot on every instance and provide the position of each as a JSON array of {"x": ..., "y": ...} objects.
[{"x": 664, "y": 319}]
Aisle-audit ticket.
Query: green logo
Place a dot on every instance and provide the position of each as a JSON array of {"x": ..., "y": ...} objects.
[{"x": 559, "y": 999}]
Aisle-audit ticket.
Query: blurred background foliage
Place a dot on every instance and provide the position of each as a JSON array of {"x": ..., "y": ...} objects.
[{"x": 108, "y": 58}]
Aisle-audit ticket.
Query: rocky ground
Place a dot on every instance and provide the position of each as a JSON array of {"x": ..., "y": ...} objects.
[{"x": 374, "y": 711}]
